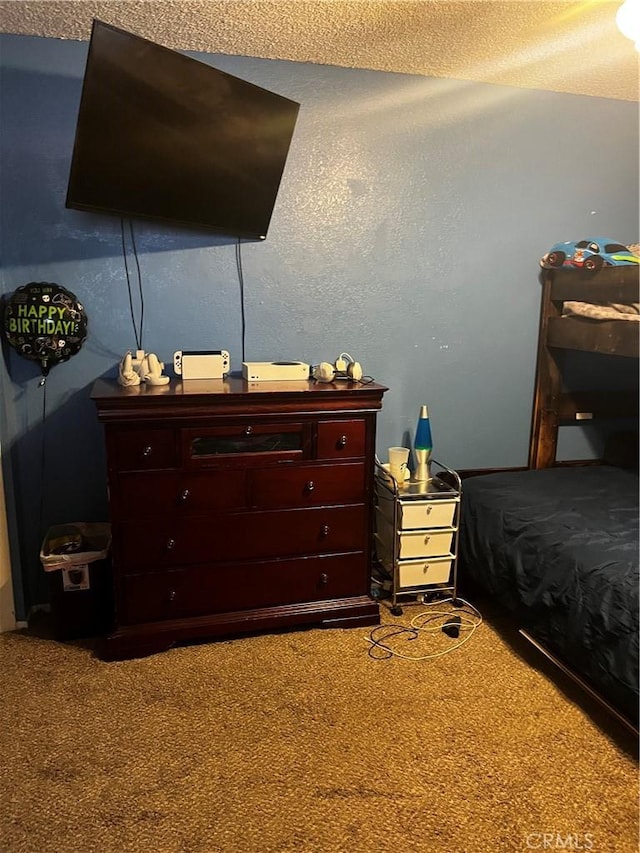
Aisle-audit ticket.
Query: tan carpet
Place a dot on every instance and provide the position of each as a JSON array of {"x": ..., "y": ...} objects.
[{"x": 302, "y": 742}]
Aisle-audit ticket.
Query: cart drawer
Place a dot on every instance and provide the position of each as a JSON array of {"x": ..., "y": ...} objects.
[
  {"x": 425, "y": 543},
  {"x": 421, "y": 573},
  {"x": 414, "y": 543},
  {"x": 412, "y": 573},
  {"x": 416, "y": 514}
]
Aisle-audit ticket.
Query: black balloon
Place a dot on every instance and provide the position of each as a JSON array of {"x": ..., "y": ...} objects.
[{"x": 44, "y": 322}]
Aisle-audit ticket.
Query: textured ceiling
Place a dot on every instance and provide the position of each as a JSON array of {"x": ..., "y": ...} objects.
[{"x": 559, "y": 46}]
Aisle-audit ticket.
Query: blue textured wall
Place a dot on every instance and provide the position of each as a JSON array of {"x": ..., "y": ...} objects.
[{"x": 407, "y": 231}]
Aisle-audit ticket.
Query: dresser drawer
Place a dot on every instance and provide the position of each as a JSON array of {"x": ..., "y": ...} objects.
[
  {"x": 178, "y": 540},
  {"x": 200, "y": 590},
  {"x": 418, "y": 514},
  {"x": 307, "y": 485},
  {"x": 245, "y": 444},
  {"x": 145, "y": 449},
  {"x": 341, "y": 439},
  {"x": 414, "y": 543},
  {"x": 145, "y": 495}
]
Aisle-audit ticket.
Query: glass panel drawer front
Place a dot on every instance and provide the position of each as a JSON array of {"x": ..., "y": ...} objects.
[
  {"x": 207, "y": 446},
  {"x": 417, "y": 514}
]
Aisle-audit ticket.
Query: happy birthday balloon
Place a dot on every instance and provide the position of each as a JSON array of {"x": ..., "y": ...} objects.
[{"x": 44, "y": 322}]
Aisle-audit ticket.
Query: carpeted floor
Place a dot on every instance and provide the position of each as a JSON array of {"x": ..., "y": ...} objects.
[{"x": 302, "y": 742}]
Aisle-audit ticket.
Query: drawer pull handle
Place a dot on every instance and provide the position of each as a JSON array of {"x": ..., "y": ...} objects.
[
  {"x": 324, "y": 530},
  {"x": 171, "y": 543},
  {"x": 426, "y": 539},
  {"x": 309, "y": 486},
  {"x": 342, "y": 441},
  {"x": 324, "y": 578},
  {"x": 146, "y": 451},
  {"x": 248, "y": 430},
  {"x": 429, "y": 508},
  {"x": 172, "y": 595},
  {"x": 184, "y": 495}
]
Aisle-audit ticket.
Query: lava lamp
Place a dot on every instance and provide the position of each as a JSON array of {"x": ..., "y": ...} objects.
[{"x": 423, "y": 445}]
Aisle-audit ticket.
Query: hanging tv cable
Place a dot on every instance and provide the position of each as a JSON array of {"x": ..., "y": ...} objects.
[
  {"x": 241, "y": 281},
  {"x": 137, "y": 332}
]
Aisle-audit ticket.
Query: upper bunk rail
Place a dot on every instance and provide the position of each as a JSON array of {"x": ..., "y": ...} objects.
[
  {"x": 610, "y": 284},
  {"x": 551, "y": 406},
  {"x": 607, "y": 337},
  {"x": 618, "y": 285}
]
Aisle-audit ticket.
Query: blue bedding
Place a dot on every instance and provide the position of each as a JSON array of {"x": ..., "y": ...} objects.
[{"x": 559, "y": 548}]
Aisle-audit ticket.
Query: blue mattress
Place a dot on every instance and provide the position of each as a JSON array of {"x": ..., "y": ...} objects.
[{"x": 559, "y": 548}]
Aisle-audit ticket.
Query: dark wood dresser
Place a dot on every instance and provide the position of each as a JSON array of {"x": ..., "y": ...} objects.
[{"x": 237, "y": 507}]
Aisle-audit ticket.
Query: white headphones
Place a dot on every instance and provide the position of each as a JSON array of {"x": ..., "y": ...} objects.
[{"x": 344, "y": 368}]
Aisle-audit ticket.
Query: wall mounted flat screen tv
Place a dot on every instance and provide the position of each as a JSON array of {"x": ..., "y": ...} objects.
[{"x": 163, "y": 136}]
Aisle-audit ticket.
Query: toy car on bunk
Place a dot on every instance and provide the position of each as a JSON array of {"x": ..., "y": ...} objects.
[{"x": 591, "y": 254}]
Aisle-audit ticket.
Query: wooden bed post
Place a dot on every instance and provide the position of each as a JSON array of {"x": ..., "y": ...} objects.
[{"x": 546, "y": 398}]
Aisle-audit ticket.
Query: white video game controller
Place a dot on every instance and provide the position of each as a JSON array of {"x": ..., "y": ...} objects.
[
  {"x": 152, "y": 371},
  {"x": 143, "y": 367}
]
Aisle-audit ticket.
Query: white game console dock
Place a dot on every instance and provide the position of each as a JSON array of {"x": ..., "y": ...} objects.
[
  {"x": 274, "y": 371},
  {"x": 214, "y": 364}
]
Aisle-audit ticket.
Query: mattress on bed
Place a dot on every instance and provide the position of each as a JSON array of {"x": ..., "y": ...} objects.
[
  {"x": 602, "y": 310},
  {"x": 559, "y": 548}
]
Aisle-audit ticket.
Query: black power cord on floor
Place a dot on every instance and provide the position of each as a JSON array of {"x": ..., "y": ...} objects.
[{"x": 452, "y": 622}]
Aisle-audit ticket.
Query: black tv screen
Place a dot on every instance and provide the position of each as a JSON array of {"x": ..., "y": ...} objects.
[{"x": 164, "y": 136}]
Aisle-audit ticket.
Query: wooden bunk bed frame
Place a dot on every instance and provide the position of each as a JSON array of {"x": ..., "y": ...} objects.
[{"x": 553, "y": 407}]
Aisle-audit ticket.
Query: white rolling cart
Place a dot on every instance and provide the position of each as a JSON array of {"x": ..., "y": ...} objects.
[{"x": 416, "y": 532}]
